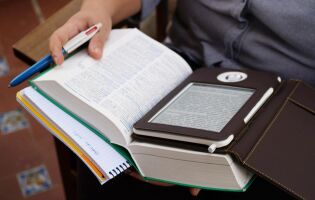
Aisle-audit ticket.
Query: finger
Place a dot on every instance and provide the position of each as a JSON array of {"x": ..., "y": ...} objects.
[
  {"x": 135, "y": 175},
  {"x": 61, "y": 36},
  {"x": 55, "y": 46},
  {"x": 194, "y": 191},
  {"x": 96, "y": 45}
]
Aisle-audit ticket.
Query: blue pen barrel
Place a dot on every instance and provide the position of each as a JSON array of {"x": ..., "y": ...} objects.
[
  {"x": 69, "y": 47},
  {"x": 37, "y": 67},
  {"x": 41, "y": 64}
]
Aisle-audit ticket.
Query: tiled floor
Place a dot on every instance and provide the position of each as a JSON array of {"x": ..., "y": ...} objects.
[{"x": 31, "y": 146}]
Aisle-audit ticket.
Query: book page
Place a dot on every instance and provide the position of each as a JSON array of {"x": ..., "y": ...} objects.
[{"x": 132, "y": 76}]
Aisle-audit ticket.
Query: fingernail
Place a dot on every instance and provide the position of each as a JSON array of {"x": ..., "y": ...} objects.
[
  {"x": 97, "y": 51},
  {"x": 59, "y": 58},
  {"x": 55, "y": 57}
]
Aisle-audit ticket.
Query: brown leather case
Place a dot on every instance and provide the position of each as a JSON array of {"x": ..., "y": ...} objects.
[{"x": 279, "y": 143}]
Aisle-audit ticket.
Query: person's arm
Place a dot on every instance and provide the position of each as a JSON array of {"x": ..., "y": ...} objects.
[{"x": 107, "y": 12}]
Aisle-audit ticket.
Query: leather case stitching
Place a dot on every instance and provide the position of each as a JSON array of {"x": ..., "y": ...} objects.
[
  {"x": 264, "y": 134},
  {"x": 302, "y": 105},
  {"x": 271, "y": 123},
  {"x": 244, "y": 130},
  {"x": 265, "y": 175}
]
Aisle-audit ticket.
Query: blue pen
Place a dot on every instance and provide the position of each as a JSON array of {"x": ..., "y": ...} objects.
[{"x": 69, "y": 47}]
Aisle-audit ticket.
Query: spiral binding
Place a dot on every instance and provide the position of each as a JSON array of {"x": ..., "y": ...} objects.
[{"x": 119, "y": 169}]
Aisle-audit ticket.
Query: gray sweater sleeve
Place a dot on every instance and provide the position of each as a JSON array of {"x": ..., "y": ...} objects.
[{"x": 147, "y": 7}]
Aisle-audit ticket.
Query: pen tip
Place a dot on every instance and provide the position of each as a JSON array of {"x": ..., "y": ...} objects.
[{"x": 9, "y": 85}]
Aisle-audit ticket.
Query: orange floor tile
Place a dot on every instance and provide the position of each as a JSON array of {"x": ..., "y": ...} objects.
[{"x": 32, "y": 146}]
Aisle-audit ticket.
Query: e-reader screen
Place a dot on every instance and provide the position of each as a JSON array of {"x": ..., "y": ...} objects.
[{"x": 203, "y": 106}]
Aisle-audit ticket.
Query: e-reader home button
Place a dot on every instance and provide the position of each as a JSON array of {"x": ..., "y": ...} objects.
[{"x": 232, "y": 77}]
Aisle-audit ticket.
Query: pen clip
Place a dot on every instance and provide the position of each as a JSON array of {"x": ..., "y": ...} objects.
[{"x": 218, "y": 144}]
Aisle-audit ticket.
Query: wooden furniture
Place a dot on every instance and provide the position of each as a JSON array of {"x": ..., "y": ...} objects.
[{"x": 34, "y": 46}]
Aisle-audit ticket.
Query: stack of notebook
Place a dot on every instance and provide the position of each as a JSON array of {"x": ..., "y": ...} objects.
[{"x": 101, "y": 158}]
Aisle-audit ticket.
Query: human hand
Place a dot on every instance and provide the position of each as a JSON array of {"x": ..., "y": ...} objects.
[
  {"x": 134, "y": 174},
  {"x": 91, "y": 12}
]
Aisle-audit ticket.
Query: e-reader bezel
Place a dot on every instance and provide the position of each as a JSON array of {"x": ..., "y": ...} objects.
[{"x": 260, "y": 82}]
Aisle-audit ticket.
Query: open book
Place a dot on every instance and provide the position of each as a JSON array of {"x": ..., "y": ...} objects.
[{"x": 110, "y": 95}]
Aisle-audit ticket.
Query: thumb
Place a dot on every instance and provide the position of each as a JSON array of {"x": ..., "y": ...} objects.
[{"x": 97, "y": 44}]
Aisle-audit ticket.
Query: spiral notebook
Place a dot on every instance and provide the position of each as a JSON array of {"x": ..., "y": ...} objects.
[{"x": 100, "y": 157}]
